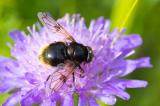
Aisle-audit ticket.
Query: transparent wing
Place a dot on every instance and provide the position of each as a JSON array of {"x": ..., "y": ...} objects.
[
  {"x": 58, "y": 78},
  {"x": 54, "y": 26}
]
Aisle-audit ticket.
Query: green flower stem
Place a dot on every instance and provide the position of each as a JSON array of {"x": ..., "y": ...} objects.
[{"x": 75, "y": 97}]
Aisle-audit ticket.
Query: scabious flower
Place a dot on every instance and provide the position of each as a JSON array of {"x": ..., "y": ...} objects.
[{"x": 25, "y": 76}]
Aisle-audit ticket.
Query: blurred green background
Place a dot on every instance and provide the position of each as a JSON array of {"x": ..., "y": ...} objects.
[{"x": 145, "y": 20}]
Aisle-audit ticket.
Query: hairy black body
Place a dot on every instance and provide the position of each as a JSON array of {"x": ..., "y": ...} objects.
[{"x": 60, "y": 52}]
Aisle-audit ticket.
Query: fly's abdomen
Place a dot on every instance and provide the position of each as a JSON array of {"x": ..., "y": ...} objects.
[{"x": 54, "y": 54}]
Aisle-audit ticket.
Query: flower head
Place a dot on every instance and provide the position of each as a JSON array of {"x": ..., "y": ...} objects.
[{"x": 26, "y": 76}]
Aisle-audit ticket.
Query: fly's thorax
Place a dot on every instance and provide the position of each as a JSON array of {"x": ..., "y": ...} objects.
[{"x": 78, "y": 52}]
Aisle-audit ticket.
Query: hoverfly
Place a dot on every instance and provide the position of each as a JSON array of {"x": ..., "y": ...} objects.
[{"x": 70, "y": 54}]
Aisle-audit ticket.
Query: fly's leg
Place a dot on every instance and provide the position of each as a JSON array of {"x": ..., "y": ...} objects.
[
  {"x": 73, "y": 75},
  {"x": 48, "y": 77}
]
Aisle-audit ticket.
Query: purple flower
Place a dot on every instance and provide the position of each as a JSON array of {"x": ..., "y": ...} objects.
[{"x": 25, "y": 76}]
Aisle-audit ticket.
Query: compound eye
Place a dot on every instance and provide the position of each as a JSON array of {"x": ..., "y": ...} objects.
[{"x": 90, "y": 54}]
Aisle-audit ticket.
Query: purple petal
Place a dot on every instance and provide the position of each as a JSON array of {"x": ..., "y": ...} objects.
[
  {"x": 32, "y": 97},
  {"x": 51, "y": 101},
  {"x": 12, "y": 100},
  {"x": 17, "y": 36},
  {"x": 47, "y": 102},
  {"x": 97, "y": 24},
  {"x": 55, "y": 96},
  {"x": 92, "y": 102},
  {"x": 83, "y": 100},
  {"x": 134, "y": 83},
  {"x": 111, "y": 88},
  {"x": 110, "y": 100},
  {"x": 63, "y": 100},
  {"x": 4, "y": 88},
  {"x": 8, "y": 65},
  {"x": 134, "y": 64},
  {"x": 117, "y": 64},
  {"x": 31, "y": 78},
  {"x": 128, "y": 42},
  {"x": 8, "y": 74},
  {"x": 67, "y": 101}
]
